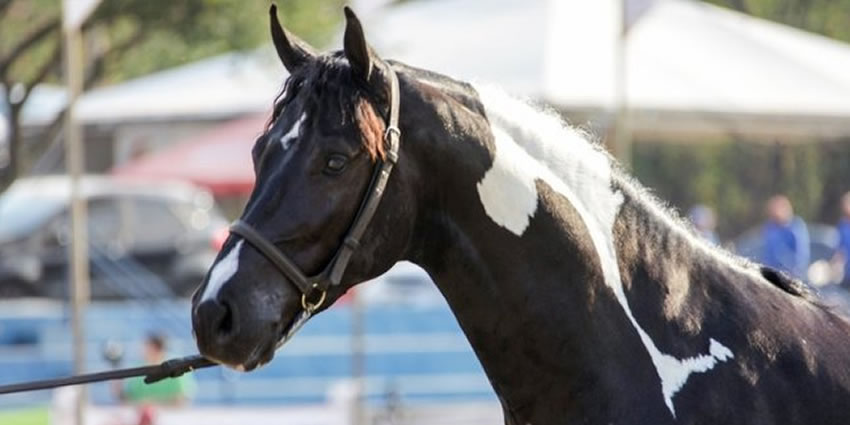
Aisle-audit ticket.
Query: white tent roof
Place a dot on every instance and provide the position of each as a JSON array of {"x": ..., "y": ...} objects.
[
  {"x": 221, "y": 86},
  {"x": 691, "y": 67},
  {"x": 497, "y": 41},
  {"x": 689, "y": 55},
  {"x": 44, "y": 103},
  {"x": 711, "y": 68},
  {"x": 226, "y": 85}
]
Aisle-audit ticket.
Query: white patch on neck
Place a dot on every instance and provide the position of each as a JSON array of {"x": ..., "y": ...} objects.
[
  {"x": 293, "y": 133},
  {"x": 570, "y": 165},
  {"x": 222, "y": 272},
  {"x": 508, "y": 190}
]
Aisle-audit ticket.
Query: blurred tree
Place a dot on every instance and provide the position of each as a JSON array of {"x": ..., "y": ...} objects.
[
  {"x": 129, "y": 38},
  {"x": 826, "y": 17},
  {"x": 736, "y": 177}
]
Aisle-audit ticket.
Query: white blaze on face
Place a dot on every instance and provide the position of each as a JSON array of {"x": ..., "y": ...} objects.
[
  {"x": 222, "y": 272},
  {"x": 293, "y": 133},
  {"x": 570, "y": 165}
]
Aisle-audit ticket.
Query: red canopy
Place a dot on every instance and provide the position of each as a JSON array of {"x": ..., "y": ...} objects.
[{"x": 218, "y": 159}]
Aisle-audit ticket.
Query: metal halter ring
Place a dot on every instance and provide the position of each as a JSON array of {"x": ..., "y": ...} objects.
[
  {"x": 310, "y": 308},
  {"x": 391, "y": 129}
]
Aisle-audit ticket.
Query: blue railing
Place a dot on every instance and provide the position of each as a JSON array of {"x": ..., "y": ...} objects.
[{"x": 418, "y": 353}]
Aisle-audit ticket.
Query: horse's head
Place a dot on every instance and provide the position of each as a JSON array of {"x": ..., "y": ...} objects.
[{"x": 315, "y": 164}]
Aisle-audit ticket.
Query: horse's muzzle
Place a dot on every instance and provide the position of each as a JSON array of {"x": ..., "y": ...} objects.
[{"x": 234, "y": 333}]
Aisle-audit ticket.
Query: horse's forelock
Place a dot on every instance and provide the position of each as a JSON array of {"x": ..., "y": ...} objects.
[
  {"x": 329, "y": 80},
  {"x": 371, "y": 128}
]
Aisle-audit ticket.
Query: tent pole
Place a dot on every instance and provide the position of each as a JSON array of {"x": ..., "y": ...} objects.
[
  {"x": 622, "y": 148},
  {"x": 79, "y": 282},
  {"x": 358, "y": 359}
]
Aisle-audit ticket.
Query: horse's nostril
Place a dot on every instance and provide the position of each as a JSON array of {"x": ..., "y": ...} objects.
[
  {"x": 225, "y": 324},
  {"x": 217, "y": 318}
]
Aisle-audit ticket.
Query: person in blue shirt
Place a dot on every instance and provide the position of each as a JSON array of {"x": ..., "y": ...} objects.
[
  {"x": 842, "y": 254},
  {"x": 785, "y": 239},
  {"x": 702, "y": 218}
]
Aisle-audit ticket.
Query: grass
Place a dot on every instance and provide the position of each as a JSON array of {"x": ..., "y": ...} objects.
[{"x": 31, "y": 416}]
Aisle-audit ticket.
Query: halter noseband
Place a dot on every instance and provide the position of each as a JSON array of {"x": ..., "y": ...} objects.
[{"x": 332, "y": 274}]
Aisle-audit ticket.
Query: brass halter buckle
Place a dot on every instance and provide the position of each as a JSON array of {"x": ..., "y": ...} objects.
[{"x": 312, "y": 307}]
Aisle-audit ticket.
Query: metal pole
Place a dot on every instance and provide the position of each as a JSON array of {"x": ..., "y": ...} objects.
[
  {"x": 622, "y": 148},
  {"x": 78, "y": 255},
  {"x": 358, "y": 361}
]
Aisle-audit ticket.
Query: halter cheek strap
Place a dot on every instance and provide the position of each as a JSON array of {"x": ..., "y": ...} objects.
[{"x": 316, "y": 287}]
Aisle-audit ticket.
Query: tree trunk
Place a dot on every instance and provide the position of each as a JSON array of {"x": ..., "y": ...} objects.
[
  {"x": 9, "y": 174},
  {"x": 25, "y": 157}
]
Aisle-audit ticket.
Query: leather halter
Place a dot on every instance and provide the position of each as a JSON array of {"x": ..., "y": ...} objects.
[{"x": 333, "y": 272}]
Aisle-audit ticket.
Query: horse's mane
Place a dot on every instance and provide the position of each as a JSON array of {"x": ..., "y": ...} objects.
[
  {"x": 545, "y": 125},
  {"x": 332, "y": 86}
]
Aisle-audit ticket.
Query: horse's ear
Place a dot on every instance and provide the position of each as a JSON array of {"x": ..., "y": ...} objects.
[
  {"x": 293, "y": 52},
  {"x": 356, "y": 49}
]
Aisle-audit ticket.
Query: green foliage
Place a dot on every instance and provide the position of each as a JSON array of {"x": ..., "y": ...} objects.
[
  {"x": 194, "y": 29},
  {"x": 736, "y": 178},
  {"x": 828, "y": 17},
  {"x": 169, "y": 32},
  {"x": 124, "y": 39},
  {"x": 33, "y": 416}
]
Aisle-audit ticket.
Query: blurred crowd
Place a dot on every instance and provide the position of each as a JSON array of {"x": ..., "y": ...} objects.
[{"x": 784, "y": 241}]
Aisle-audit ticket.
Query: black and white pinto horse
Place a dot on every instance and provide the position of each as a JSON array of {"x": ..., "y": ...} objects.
[{"x": 583, "y": 298}]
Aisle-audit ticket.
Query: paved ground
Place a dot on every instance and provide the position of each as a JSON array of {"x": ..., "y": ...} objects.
[{"x": 454, "y": 414}]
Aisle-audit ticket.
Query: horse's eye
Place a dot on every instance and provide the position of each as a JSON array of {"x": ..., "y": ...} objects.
[{"x": 336, "y": 163}]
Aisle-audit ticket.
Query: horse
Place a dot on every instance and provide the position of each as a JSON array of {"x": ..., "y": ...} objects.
[{"x": 584, "y": 298}]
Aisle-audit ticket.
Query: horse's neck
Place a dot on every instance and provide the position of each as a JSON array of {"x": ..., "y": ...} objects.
[
  {"x": 518, "y": 283},
  {"x": 524, "y": 249}
]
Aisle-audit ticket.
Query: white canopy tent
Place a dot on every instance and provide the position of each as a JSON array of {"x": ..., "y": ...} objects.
[
  {"x": 158, "y": 109},
  {"x": 691, "y": 68},
  {"x": 222, "y": 86}
]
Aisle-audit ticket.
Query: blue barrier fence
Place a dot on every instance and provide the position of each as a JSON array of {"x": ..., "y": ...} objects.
[{"x": 417, "y": 353}]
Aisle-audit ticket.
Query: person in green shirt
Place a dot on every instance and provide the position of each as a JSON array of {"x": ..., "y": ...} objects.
[{"x": 170, "y": 392}]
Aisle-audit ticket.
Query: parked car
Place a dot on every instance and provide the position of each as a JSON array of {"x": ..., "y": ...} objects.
[{"x": 145, "y": 239}]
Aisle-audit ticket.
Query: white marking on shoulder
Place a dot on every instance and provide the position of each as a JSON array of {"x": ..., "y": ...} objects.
[
  {"x": 508, "y": 190},
  {"x": 674, "y": 372},
  {"x": 572, "y": 166},
  {"x": 293, "y": 133},
  {"x": 222, "y": 272}
]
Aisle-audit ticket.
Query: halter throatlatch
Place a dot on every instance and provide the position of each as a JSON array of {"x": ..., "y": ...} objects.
[{"x": 315, "y": 287}]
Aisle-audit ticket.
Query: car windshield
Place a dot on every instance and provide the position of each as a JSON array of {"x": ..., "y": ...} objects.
[{"x": 22, "y": 213}]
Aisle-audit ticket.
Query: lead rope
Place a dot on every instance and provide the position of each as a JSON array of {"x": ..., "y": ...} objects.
[{"x": 168, "y": 369}]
